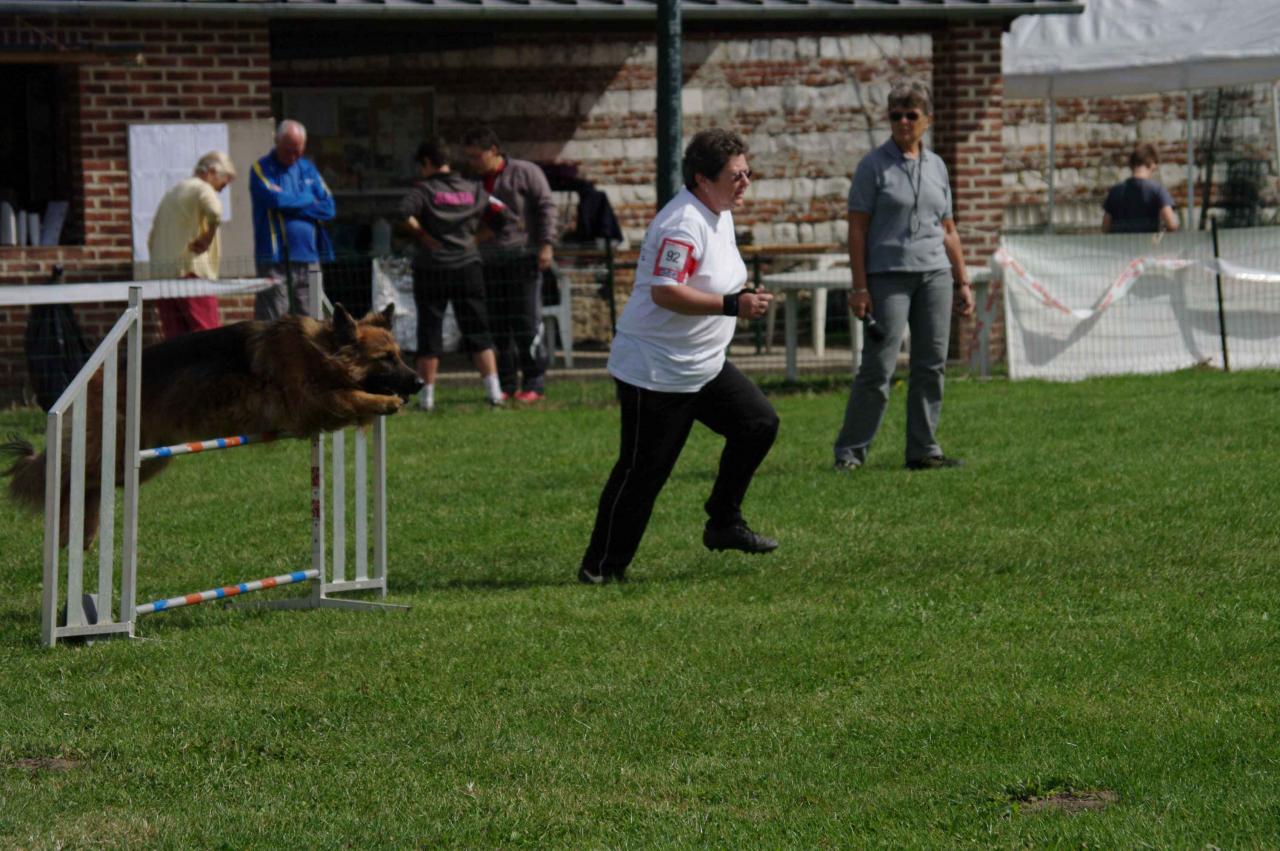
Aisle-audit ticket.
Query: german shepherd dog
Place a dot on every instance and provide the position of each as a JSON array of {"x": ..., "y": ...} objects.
[{"x": 295, "y": 375}]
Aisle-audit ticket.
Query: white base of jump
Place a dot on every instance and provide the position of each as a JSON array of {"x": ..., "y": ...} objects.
[{"x": 320, "y": 603}]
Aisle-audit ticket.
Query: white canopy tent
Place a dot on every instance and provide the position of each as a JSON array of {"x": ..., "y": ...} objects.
[{"x": 1125, "y": 47}]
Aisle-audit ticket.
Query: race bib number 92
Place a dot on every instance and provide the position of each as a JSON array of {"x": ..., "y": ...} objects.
[{"x": 675, "y": 261}]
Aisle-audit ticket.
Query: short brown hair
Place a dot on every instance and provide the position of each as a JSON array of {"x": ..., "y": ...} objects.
[
  {"x": 1144, "y": 153},
  {"x": 911, "y": 94},
  {"x": 435, "y": 151},
  {"x": 707, "y": 154},
  {"x": 483, "y": 138}
]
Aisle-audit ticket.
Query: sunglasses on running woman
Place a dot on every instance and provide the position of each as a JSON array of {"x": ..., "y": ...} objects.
[{"x": 911, "y": 115}]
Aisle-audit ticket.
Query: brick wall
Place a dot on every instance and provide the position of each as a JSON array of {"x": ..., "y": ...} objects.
[
  {"x": 810, "y": 106},
  {"x": 968, "y": 92},
  {"x": 191, "y": 71}
]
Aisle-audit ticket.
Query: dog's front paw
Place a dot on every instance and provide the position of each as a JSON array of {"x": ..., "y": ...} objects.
[{"x": 390, "y": 405}]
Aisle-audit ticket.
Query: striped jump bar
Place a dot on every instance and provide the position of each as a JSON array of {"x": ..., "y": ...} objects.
[
  {"x": 205, "y": 445},
  {"x": 228, "y": 591}
]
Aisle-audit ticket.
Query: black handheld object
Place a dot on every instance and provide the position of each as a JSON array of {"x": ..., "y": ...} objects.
[{"x": 872, "y": 328}]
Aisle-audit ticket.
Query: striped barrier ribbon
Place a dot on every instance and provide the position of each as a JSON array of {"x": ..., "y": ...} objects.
[{"x": 1120, "y": 287}]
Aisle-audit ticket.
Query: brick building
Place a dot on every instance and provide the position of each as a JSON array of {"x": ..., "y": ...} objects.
[{"x": 561, "y": 82}]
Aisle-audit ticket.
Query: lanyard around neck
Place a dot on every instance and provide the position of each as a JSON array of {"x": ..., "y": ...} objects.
[{"x": 913, "y": 222}]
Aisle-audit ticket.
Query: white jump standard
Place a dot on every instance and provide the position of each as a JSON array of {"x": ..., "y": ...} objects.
[{"x": 91, "y": 615}]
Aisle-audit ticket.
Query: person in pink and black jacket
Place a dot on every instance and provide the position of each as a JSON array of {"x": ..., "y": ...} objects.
[{"x": 444, "y": 212}]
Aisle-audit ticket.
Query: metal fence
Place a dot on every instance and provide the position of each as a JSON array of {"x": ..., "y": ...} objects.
[
  {"x": 1058, "y": 307},
  {"x": 808, "y": 331}
]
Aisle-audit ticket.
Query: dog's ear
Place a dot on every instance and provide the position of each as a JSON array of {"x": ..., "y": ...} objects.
[
  {"x": 344, "y": 327},
  {"x": 381, "y": 318}
]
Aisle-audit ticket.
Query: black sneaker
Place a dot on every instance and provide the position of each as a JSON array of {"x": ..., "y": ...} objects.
[
  {"x": 737, "y": 537},
  {"x": 587, "y": 576},
  {"x": 934, "y": 462}
]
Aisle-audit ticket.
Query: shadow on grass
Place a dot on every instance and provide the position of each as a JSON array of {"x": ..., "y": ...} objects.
[
  {"x": 482, "y": 583},
  {"x": 635, "y": 576}
]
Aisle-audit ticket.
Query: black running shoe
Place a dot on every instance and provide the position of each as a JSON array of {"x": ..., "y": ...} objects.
[
  {"x": 737, "y": 537},
  {"x": 587, "y": 576},
  {"x": 934, "y": 462}
]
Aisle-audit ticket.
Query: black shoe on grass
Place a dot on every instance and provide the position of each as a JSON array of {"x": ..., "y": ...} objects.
[
  {"x": 934, "y": 462},
  {"x": 737, "y": 537},
  {"x": 587, "y": 576}
]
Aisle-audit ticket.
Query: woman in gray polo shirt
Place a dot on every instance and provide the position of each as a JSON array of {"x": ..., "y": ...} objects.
[{"x": 905, "y": 255}]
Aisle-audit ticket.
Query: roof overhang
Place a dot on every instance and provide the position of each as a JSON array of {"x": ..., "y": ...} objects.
[{"x": 913, "y": 11}]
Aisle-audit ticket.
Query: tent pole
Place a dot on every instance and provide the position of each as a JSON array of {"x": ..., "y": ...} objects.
[
  {"x": 1053, "y": 138},
  {"x": 1275, "y": 112},
  {"x": 1190, "y": 223}
]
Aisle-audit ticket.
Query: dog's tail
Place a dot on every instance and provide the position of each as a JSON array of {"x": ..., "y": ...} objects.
[{"x": 26, "y": 474}]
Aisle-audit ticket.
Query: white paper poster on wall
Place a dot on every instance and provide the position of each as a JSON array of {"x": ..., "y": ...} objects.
[{"x": 161, "y": 155}]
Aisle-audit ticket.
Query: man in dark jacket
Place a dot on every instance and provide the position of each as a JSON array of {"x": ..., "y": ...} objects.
[
  {"x": 514, "y": 263},
  {"x": 290, "y": 204},
  {"x": 444, "y": 212}
]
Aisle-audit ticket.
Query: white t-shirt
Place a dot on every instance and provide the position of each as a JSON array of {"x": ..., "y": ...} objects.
[{"x": 659, "y": 349}]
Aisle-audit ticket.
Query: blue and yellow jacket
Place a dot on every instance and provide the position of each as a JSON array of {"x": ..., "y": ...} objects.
[{"x": 288, "y": 205}]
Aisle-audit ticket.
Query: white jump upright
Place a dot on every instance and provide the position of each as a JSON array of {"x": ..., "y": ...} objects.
[
  {"x": 91, "y": 615},
  {"x": 97, "y": 621}
]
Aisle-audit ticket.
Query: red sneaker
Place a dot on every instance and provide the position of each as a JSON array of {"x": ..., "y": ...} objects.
[{"x": 530, "y": 396}]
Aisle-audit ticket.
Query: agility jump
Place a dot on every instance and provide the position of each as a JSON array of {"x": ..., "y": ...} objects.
[{"x": 91, "y": 615}]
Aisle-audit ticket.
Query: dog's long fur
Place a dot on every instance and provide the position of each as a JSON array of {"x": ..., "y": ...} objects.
[{"x": 294, "y": 374}]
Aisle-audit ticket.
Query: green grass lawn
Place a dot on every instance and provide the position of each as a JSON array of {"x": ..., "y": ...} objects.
[{"x": 1090, "y": 604}]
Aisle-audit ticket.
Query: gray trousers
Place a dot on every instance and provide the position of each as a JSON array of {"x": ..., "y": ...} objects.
[
  {"x": 922, "y": 301},
  {"x": 273, "y": 302}
]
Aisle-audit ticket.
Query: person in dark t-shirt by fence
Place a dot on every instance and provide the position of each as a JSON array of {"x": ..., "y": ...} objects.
[
  {"x": 444, "y": 212},
  {"x": 1139, "y": 204}
]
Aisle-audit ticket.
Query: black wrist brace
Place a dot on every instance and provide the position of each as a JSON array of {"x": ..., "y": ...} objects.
[{"x": 731, "y": 304}]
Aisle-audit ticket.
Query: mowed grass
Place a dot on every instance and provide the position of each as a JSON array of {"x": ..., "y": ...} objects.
[{"x": 1090, "y": 604}]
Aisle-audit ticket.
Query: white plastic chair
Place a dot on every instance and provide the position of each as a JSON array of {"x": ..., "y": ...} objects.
[{"x": 562, "y": 315}]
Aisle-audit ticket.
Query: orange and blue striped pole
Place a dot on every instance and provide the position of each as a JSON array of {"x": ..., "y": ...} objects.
[
  {"x": 206, "y": 445},
  {"x": 227, "y": 591}
]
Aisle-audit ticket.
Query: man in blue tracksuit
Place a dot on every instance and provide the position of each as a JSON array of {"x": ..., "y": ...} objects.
[{"x": 290, "y": 200}]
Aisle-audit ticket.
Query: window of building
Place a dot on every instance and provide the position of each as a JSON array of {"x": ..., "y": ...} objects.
[{"x": 35, "y": 149}]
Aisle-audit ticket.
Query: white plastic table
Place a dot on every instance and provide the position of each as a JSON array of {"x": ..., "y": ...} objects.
[{"x": 821, "y": 280}]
